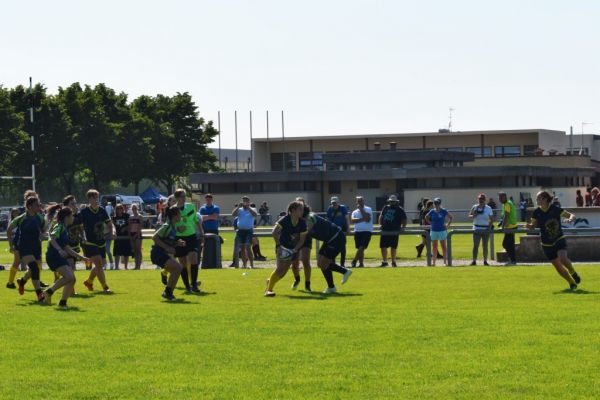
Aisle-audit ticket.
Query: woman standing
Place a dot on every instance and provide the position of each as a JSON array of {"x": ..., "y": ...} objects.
[
  {"x": 122, "y": 243},
  {"x": 289, "y": 234},
  {"x": 437, "y": 218},
  {"x": 547, "y": 217},
  {"x": 135, "y": 234}
]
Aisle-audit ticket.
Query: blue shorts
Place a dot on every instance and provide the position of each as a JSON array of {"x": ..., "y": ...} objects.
[
  {"x": 55, "y": 262},
  {"x": 243, "y": 237},
  {"x": 438, "y": 235},
  {"x": 30, "y": 249},
  {"x": 159, "y": 256}
]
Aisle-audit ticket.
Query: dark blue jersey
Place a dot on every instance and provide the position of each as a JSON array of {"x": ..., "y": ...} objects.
[
  {"x": 75, "y": 231},
  {"x": 290, "y": 233},
  {"x": 549, "y": 222},
  {"x": 30, "y": 227},
  {"x": 322, "y": 229},
  {"x": 94, "y": 222},
  {"x": 61, "y": 234},
  {"x": 392, "y": 218}
]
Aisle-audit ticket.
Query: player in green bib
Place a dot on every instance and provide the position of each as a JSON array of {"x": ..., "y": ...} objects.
[{"x": 189, "y": 229}]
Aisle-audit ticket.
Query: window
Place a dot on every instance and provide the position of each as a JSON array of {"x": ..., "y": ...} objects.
[
  {"x": 530, "y": 149},
  {"x": 273, "y": 187},
  {"x": 335, "y": 187},
  {"x": 575, "y": 151},
  {"x": 310, "y": 186},
  {"x": 507, "y": 151},
  {"x": 457, "y": 182},
  {"x": 277, "y": 162},
  {"x": 293, "y": 186},
  {"x": 248, "y": 187},
  {"x": 487, "y": 151},
  {"x": 311, "y": 161},
  {"x": 367, "y": 184},
  {"x": 450, "y": 149},
  {"x": 222, "y": 187}
]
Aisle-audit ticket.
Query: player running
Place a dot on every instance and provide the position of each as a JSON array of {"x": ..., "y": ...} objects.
[
  {"x": 189, "y": 229},
  {"x": 13, "y": 240},
  {"x": 95, "y": 221},
  {"x": 334, "y": 241},
  {"x": 547, "y": 217},
  {"x": 289, "y": 234},
  {"x": 165, "y": 246},
  {"x": 75, "y": 230},
  {"x": 304, "y": 257},
  {"x": 57, "y": 258}
]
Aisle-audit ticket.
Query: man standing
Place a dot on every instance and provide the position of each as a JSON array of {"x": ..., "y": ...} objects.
[
  {"x": 483, "y": 218},
  {"x": 392, "y": 219},
  {"x": 362, "y": 218},
  {"x": 210, "y": 213},
  {"x": 245, "y": 229},
  {"x": 264, "y": 214},
  {"x": 189, "y": 229},
  {"x": 339, "y": 215},
  {"x": 508, "y": 221}
]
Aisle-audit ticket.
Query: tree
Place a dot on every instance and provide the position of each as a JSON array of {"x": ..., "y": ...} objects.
[{"x": 13, "y": 138}]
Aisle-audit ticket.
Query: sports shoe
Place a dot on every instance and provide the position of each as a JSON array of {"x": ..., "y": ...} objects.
[
  {"x": 330, "y": 290},
  {"x": 269, "y": 293},
  {"x": 21, "y": 284},
  {"x": 576, "y": 277},
  {"x": 195, "y": 289},
  {"x": 44, "y": 285},
  {"x": 394, "y": 264},
  {"x": 486, "y": 263},
  {"x": 47, "y": 298},
  {"x": 188, "y": 289},
  {"x": 384, "y": 264},
  {"x": 346, "y": 276},
  {"x": 11, "y": 285},
  {"x": 295, "y": 284},
  {"x": 107, "y": 290},
  {"x": 419, "y": 249},
  {"x": 572, "y": 287},
  {"x": 307, "y": 287},
  {"x": 88, "y": 285},
  {"x": 473, "y": 262},
  {"x": 168, "y": 296},
  {"x": 509, "y": 263},
  {"x": 260, "y": 258},
  {"x": 163, "y": 279},
  {"x": 361, "y": 265},
  {"x": 353, "y": 264}
]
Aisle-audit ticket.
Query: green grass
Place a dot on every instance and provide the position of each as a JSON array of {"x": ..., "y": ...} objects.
[
  {"x": 414, "y": 333},
  {"x": 462, "y": 245}
]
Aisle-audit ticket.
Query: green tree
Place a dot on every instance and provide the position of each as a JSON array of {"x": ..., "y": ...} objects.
[{"x": 13, "y": 138}]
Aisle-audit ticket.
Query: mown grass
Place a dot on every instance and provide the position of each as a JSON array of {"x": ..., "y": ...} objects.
[{"x": 435, "y": 333}]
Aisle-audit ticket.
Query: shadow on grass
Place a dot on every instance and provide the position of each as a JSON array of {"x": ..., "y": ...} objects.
[
  {"x": 82, "y": 296},
  {"x": 200, "y": 294},
  {"x": 179, "y": 300},
  {"x": 578, "y": 291},
  {"x": 69, "y": 309},
  {"x": 320, "y": 296}
]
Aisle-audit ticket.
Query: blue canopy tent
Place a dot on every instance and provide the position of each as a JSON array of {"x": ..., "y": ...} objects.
[{"x": 151, "y": 196}]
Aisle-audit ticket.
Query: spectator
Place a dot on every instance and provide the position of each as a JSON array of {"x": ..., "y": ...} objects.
[
  {"x": 483, "y": 218},
  {"x": 493, "y": 206},
  {"x": 135, "y": 234},
  {"x": 362, "y": 218},
  {"x": 122, "y": 245},
  {"x": 595, "y": 197},
  {"x": 578, "y": 198},
  {"x": 523, "y": 209},
  {"x": 588, "y": 196},
  {"x": 423, "y": 222},
  {"x": 422, "y": 207},
  {"x": 265, "y": 217},
  {"x": 245, "y": 224},
  {"x": 437, "y": 217},
  {"x": 338, "y": 214},
  {"x": 255, "y": 242},
  {"x": 209, "y": 215},
  {"x": 508, "y": 221},
  {"x": 109, "y": 209},
  {"x": 391, "y": 219}
]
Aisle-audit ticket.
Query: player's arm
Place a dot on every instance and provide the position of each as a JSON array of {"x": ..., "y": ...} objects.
[
  {"x": 160, "y": 243},
  {"x": 276, "y": 233},
  {"x": 472, "y": 213},
  {"x": 235, "y": 211},
  {"x": 10, "y": 232},
  {"x": 356, "y": 220},
  {"x": 301, "y": 240},
  {"x": 449, "y": 218},
  {"x": 403, "y": 221},
  {"x": 380, "y": 221}
]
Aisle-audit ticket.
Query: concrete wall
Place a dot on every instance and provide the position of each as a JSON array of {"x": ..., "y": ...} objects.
[{"x": 553, "y": 141}]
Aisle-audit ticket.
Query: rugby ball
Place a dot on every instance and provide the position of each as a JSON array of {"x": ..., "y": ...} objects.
[{"x": 284, "y": 253}]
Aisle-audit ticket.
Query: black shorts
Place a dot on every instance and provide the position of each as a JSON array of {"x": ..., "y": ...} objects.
[
  {"x": 70, "y": 257},
  {"x": 308, "y": 242},
  {"x": 30, "y": 249},
  {"x": 122, "y": 248},
  {"x": 362, "y": 239},
  {"x": 55, "y": 262},
  {"x": 91, "y": 250},
  {"x": 159, "y": 257},
  {"x": 386, "y": 241},
  {"x": 333, "y": 248},
  {"x": 551, "y": 252},
  {"x": 191, "y": 245}
]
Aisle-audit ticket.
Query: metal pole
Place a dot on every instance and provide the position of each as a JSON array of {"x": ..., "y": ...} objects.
[
  {"x": 251, "y": 144},
  {"x": 268, "y": 144},
  {"x": 32, "y": 134},
  {"x": 236, "y": 144},
  {"x": 283, "y": 140},
  {"x": 219, "y": 127}
]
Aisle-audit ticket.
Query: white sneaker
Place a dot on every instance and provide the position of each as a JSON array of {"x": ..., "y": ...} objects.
[
  {"x": 269, "y": 293},
  {"x": 346, "y": 276},
  {"x": 330, "y": 290},
  {"x": 112, "y": 266}
]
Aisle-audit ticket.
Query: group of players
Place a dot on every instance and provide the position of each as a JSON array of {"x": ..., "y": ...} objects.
[{"x": 177, "y": 244}]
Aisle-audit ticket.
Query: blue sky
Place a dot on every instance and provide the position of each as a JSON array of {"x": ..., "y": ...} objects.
[{"x": 335, "y": 67}]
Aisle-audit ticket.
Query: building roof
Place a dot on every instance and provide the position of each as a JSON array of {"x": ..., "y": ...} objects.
[{"x": 412, "y": 134}]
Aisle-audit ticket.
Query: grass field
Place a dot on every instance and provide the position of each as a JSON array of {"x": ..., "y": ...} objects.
[{"x": 439, "y": 333}]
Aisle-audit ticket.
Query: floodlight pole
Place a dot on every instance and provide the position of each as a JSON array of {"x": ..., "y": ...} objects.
[{"x": 32, "y": 134}]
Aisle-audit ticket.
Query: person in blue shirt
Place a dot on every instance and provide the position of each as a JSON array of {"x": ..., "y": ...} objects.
[
  {"x": 339, "y": 215},
  {"x": 440, "y": 219},
  {"x": 210, "y": 215},
  {"x": 245, "y": 228},
  {"x": 57, "y": 257}
]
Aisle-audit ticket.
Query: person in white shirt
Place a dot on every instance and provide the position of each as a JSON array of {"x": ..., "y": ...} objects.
[
  {"x": 483, "y": 219},
  {"x": 362, "y": 218}
]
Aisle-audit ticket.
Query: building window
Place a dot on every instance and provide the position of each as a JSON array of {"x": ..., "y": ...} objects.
[
  {"x": 367, "y": 184},
  {"x": 335, "y": 187},
  {"x": 277, "y": 162},
  {"x": 530, "y": 149},
  {"x": 273, "y": 187},
  {"x": 575, "y": 151},
  {"x": 311, "y": 161},
  {"x": 310, "y": 186},
  {"x": 248, "y": 187},
  {"x": 222, "y": 187},
  {"x": 486, "y": 151},
  {"x": 507, "y": 151},
  {"x": 293, "y": 186},
  {"x": 450, "y": 149}
]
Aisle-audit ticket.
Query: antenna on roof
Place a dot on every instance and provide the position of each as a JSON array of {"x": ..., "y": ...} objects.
[{"x": 450, "y": 109}]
